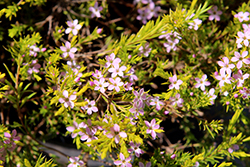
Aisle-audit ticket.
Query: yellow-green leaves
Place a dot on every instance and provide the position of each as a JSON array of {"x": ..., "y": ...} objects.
[
  {"x": 81, "y": 104},
  {"x": 5, "y": 87},
  {"x": 234, "y": 119},
  {"x": 83, "y": 89},
  {"x": 223, "y": 164},
  {"x": 10, "y": 73},
  {"x": 10, "y": 11},
  {"x": 214, "y": 125},
  {"x": 239, "y": 154},
  {"x": 246, "y": 139},
  {"x": 27, "y": 163},
  {"x": 160, "y": 72},
  {"x": 60, "y": 111}
]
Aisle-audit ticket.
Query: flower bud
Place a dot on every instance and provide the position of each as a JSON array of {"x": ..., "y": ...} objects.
[
  {"x": 99, "y": 30},
  {"x": 173, "y": 156}
]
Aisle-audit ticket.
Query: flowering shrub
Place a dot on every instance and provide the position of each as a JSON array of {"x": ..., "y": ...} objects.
[{"x": 159, "y": 84}]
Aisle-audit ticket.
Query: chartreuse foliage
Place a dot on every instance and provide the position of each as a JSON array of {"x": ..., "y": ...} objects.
[
  {"x": 118, "y": 118},
  {"x": 41, "y": 162},
  {"x": 2, "y": 88},
  {"x": 13, "y": 8}
]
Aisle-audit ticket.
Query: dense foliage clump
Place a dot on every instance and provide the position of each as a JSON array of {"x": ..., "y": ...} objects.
[{"x": 129, "y": 83}]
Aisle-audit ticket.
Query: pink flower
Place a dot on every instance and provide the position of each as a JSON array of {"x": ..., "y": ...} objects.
[
  {"x": 73, "y": 66},
  {"x": 72, "y": 128},
  {"x": 90, "y": 107},
  {"x": 74, "y": 27},
  {"x": 176, "y": 100},
  {"x": 75, "y": 162},
  {"x": 140, "y": 95},
  {"x": 132, "y": 76},
  {"x": 67, "y": 100},
  {"x": 242, "y": 16},
  {"x": 240, "y": 59},
  {"x": 246, "y": 27},
  {"x": 142, "y": 165},
  {"x": 12, "y": 137},
  {"x": 214, "y": 13},
  {"x": 235, "y": 147},
  {"x": 135, "y": 148},
  {"x": 137, "y": 108},
  {"x": 152, "y": 126},
  {"x": 68, "y": 50},
  {"x": 111, "y": 60},
  {"x": 116, "y": 70},
  {"x": 243, "y": 37},
  {"x": 128, "y": 86},
  {"x": 223, "y": 77},
  {"x": 144, "y": 50},
  {"x": 156, "y": 102},
  {"x": 197, "y": 164},
  {"x": 226, "y": 67},
  {"x": 212, "y": 95},
  {"x": 34, "y": 50},
  {"x": 153, "y": 10},
  {"x": 97, "y": 74},
  {"x": 195, "y": 24},
  {"x": 123, "y": 162},
  {"x": 201, "y": 83},
  {"x": 143, "y": 15},
  {"x": 241, "y": 78},
  {"x": 115, "y": 84},
  {"x": 10, "y": 140},
  {"x": 95, "y": 10},
  {"x": 245, "y": 92},
  {"x": 172, "y": 39},
  {"x": 115, "y": 132},
  {"x": 174, "y": 82},
  {"x": 34, "y": 67},
  {"x": 89, "y": 135},
  {"x": 101, "y": 84}
]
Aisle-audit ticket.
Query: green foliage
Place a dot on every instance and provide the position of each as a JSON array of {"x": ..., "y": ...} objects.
[
  {"x": 214, "y": 125},
  {"x": 120, "y": 115},
  {"x": 41, "y": 162},
  {"x": 16, "y": 30}
]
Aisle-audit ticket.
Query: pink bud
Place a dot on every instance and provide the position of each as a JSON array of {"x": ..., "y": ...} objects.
[
  {"x": 236, "y": 95},
  {"x": 227, "y": 103},
  {"x": 173, "y": 156},
  {"x": 23, "y": 55},
  {"x": 166, "y": 112},
  {"x": 59, "y": 31},
  {"x": 194, "y": 56},
  {"x": 99, "y": 30},
  {"x": 216, "y": 73},
  {"x": 129, "y": 56},
  {"x": 230, "y": 150},
  {"x": 43, "y": 49},
  {"x": 91, "y": 83},
  {"x": 191, "y": 93}
]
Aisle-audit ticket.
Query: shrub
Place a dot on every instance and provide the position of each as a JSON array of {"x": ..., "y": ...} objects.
[{"x": 142, "y": 83}]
